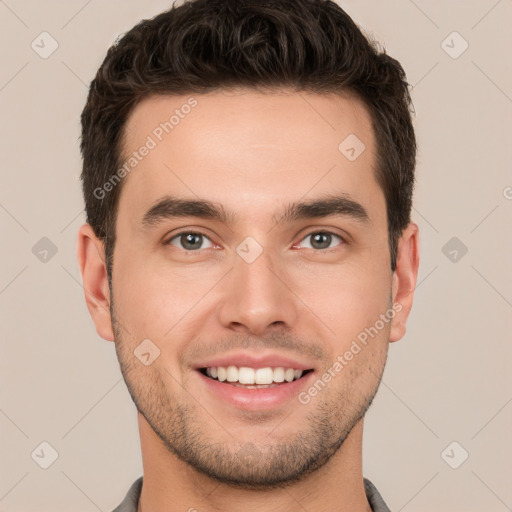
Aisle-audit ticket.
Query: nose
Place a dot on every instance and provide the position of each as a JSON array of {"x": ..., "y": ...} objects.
[{"x": 257, "y": 296}]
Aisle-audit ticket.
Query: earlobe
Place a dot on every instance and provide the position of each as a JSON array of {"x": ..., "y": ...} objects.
[
  {"x": 404, "y": 279},
  {"x": 91, "y": 261}
]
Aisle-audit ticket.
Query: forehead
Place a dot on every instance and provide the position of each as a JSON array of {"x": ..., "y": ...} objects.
[{"x": 248, "y": 151}]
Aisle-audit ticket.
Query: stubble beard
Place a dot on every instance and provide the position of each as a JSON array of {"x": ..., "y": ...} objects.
[{"x": 283, "y": 459}]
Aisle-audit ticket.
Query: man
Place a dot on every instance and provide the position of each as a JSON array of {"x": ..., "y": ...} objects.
[{"x": 248, "y": 175}]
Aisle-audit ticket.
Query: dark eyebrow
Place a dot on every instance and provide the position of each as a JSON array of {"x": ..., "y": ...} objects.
[
  {"x": 340, "y": 205},
  {"x": 169, "y": 207},
  {"x": 173, "y": 207}
]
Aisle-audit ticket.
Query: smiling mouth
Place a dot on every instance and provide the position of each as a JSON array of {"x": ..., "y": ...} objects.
[{"x": 254, "y": 378}]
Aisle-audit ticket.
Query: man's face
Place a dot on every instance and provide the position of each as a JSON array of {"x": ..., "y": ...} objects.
[{"x": 256, "y": 289}]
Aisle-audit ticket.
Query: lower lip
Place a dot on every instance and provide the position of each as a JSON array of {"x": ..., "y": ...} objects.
[{"x": 256, "y": 398}]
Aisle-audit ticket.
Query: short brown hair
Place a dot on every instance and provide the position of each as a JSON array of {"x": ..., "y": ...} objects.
[{"x": 208, "y": 45}]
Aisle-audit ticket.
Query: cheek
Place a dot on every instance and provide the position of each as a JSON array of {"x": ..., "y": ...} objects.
[
  {"x": 348, "y": 298},
  {"x": 154, "y": 297}
]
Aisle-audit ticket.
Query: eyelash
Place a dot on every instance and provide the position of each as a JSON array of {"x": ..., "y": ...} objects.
[{"x": 323, "y": 232}]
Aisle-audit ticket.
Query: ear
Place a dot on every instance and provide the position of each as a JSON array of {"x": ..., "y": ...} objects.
[
  {"x": 91, "y": 260},
  {"x": 404, "y": 279}
]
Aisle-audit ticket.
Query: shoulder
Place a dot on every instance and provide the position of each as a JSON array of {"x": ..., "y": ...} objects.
[
  {"x": 131, "y": 500},
  {"x": 374, "y": 498}
]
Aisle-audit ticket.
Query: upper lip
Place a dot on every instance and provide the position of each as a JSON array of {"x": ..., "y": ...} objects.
[{"x": 252, "y": 360}]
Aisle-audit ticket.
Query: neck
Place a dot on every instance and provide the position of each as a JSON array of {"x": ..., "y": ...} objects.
[{"x": 171, "y": 485}]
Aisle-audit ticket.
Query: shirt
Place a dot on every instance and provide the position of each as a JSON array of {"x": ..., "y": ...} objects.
[{"x": 131, "y": 500}]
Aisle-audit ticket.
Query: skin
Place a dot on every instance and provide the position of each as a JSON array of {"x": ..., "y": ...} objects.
[{"x": 253, "y": 153}]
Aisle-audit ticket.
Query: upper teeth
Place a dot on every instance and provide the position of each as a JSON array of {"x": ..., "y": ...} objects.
[{"x": 246, "y": 375}]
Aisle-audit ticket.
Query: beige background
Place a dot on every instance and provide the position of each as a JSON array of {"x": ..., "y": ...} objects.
[{"x": 447, "y": 380}]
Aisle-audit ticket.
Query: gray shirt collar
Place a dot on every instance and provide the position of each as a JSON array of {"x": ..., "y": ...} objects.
[{"x": 131, "y": 500}]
